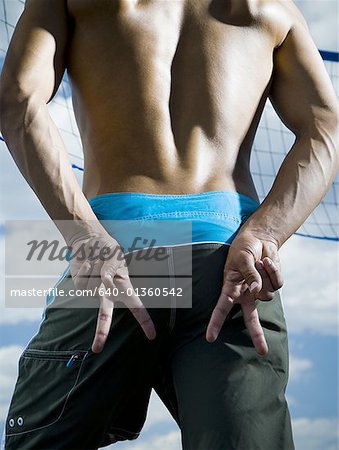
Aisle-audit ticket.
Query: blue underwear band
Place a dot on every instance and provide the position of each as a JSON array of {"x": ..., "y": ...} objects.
[{"x": 136, "y": 219}]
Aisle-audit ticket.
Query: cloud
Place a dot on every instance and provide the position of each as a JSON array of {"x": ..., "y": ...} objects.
[
  {"x": 309, "y": 295},
  {"x": 298, "y": 366},
  {"x": 322, "y": 19},
  {"x": 291, "y": 401},
  {"x": 9, "y": 357},
  {"x": 16, "y": 315},
  {"x": 13, "y": 10},
  {"x": 157, "y": 413},
  {"x": 315, "y": 434}
]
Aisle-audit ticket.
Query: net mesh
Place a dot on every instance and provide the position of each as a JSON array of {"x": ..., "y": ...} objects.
[{"x": 272, "y": 142}]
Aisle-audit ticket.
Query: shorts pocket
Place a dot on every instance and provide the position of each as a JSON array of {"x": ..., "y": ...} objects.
[{"x": 45, "y": 382}]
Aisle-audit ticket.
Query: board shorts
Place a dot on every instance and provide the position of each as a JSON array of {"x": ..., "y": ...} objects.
[{"x": 222, "y": 395}]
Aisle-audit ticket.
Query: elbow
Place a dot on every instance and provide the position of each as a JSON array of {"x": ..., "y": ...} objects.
[
  {"x": 331, "y": 123},
  {"x": 336, "y": 145},
  {"x": 328, "y": 130},
  {"x": 320, "y": 137},
  {"x": 328, "y": 135},
  {"x": 320, "y": 121}
]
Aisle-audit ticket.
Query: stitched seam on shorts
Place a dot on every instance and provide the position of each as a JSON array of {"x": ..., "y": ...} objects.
[
  {"x": 45, "y": 359},
  {"x": 210, "y": 243},
  {"x": 188, "y": 244},
  {"x": 198, "y": 214},
  {"x": 143, "y": 194},
  {"x": 63, "y": 276},
  {"x": 54, "y": 351},
  {"x": 224, "y": 193},
  {"x": 171, "y": 269},
  {"x": 63, "y": 408}
]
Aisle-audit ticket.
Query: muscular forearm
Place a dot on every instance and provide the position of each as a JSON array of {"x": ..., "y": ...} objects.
[
  {"x": 37, "y": 148},
  {"x": 302, "y": 181}
]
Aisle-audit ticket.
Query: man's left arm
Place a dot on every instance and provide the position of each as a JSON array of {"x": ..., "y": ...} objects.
[{"x": 302, "y": 95}]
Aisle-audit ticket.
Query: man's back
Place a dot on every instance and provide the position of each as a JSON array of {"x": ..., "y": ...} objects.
[{"x": 167, "y": 94}]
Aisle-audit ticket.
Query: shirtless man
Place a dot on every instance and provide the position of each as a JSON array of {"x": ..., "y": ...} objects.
[{"x": 167, "y": 95}]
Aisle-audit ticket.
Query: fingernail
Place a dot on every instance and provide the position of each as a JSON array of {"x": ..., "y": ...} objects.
[
  {"x": 152, "y": 335},
  {"x": 253, "y": 286},
  {"x": 269, "y": 261},
  {"x": 108, "y": 277},
  {"x": 211, "y": 338},
  {"x": 263, "y": 350},
  {"x": 260, "y": 264}
]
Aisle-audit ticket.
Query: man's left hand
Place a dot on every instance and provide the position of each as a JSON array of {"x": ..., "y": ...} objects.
[{"x": 252, "y": 272}]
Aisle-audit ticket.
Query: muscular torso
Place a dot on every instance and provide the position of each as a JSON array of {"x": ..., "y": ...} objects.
[{"x": 168, "y": 93}]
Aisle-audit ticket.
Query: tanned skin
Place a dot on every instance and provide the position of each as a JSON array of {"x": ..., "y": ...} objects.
[{"x": 167, "y": 95}]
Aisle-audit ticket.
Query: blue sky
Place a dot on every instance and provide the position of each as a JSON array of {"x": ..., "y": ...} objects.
[{"x": 309, "y": 296}]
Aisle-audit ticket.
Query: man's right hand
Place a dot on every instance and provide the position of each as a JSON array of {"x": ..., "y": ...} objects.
[{"x": 98, "y": 262}]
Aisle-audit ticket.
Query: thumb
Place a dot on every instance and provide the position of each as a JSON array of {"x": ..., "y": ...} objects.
[{"x": 251, "y": 276}]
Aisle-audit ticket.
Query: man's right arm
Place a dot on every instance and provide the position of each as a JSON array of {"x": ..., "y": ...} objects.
[{"x": 33, "y": 68}]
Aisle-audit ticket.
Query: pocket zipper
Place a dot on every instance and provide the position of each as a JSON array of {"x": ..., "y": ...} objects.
[
  {"x": 74, "y": 358},
  {"x": 69, "y": 357}
]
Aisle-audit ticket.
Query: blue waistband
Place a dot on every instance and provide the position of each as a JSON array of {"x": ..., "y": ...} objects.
[{"x": 214, "y": 216}]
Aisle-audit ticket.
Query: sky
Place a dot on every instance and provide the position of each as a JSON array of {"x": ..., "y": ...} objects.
[{"x": 309, "y": 295}]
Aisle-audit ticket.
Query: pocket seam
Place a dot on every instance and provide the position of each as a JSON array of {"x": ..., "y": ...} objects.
[{"x": 50, "y": 355}]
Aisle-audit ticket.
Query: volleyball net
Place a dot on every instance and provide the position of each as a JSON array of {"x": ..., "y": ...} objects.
[{"x": 273, "y": 140}]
